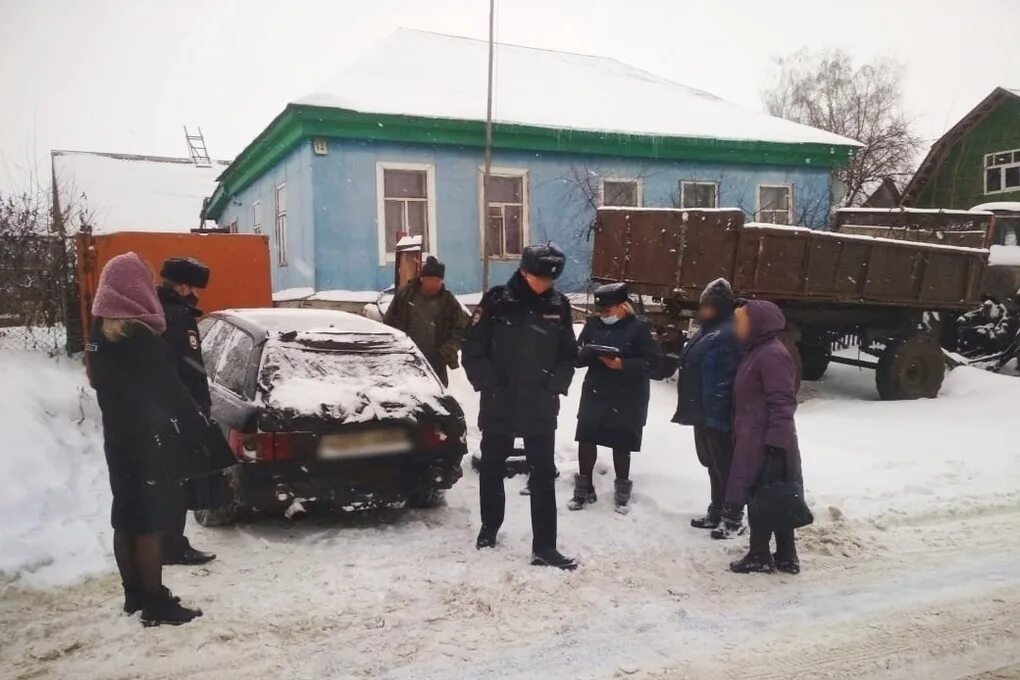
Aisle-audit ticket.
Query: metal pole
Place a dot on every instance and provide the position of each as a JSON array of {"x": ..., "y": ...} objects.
[{"x": 488, "y": 156}]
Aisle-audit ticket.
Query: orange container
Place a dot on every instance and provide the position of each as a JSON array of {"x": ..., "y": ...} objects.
[{"x": 238, "y": 264}]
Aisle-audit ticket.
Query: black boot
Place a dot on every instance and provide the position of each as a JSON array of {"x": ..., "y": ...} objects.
[
  {"x": 134, "y": 598},
  {"x": 786, "y": 553},
  {"x": 584, "y": 493},
  {"x": 789, "y": 565},
  {"x": 710, "y": 520},
  {"x": 732, "y": 522},
  {"x": 754, "y": 563},
  {"x": 185, "y": 554},
  {"x": 486, "y": 538},
  {"x": 551, "y": 557},
  {"x": 622, "y": 495},
  {"x": 163, "y": 608}
]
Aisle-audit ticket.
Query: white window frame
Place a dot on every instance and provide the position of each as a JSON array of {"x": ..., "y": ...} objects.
[
  {"x": 683, "y": 191},
  {"x": 1015, "y": 155},
  {"x": 432, "y": 247},
  {"x": 757, "y": 199},
  {"x": 281, "y": 232},
  {"x": 232, "y": 227},
  {"x": 630, "y": 180},
  {"x": 256, "y": 217},
  {"x": 483, "y": 209}
]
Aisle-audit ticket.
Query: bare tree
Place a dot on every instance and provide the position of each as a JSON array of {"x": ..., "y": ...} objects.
[{"x": 825, "y": 89}]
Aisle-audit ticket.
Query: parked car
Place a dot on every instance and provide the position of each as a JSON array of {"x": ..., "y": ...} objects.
[{"x": 324, "y": 407}]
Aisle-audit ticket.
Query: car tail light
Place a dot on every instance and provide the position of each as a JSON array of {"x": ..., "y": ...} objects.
[
  {"x": 260, "y": 446},
  {"x": 433, "y": 435}
]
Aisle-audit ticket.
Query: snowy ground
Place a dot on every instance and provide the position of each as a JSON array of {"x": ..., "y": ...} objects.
[{"x": 909, "y": 572}]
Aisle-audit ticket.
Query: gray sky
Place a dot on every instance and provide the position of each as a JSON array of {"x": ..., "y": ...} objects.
[{"x": 125, "y": 75}]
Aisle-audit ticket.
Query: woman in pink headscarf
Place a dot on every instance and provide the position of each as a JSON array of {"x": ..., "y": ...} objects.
[{"x": 154, "y": 434}]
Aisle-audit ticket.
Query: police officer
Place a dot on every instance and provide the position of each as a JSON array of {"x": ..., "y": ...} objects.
[
  {"x": 519, "y": 353},
  {"x": 182, "y": 278}
]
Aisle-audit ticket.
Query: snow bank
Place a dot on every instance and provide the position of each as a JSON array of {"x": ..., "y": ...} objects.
[{"x": 54, "y": 491}]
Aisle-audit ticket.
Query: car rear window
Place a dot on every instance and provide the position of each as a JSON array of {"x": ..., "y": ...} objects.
[{"x": 290, "y": 362}]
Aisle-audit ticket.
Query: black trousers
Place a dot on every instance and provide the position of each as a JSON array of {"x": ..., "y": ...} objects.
[
  {"x": 715, "y": 452},
  {"x": 538, "y": 449},
  {"x": 786, "y": 547}
]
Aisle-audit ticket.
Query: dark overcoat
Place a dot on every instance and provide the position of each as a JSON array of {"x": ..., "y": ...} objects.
[
  {"x": 182, "y": 336},
  {"x": 519, "y": 354},
  {"x": 705, "y": 381}
]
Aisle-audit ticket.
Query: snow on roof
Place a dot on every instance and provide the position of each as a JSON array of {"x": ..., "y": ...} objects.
[
  {"x": 307, "y": 320},
  {"x": 135, "y": 193},
  {"x": 978, "y": 210},
  {"x": 1005, "y": 255},
  {"x": 1011, "y": 206},
  {"x": 418, "y": 73}
]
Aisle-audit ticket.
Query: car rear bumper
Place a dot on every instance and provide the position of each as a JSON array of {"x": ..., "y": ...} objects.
[{"x": 273, "y": 487}]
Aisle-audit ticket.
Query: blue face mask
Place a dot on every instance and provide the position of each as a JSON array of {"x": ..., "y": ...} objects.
[{"x": 610, "y": 320}]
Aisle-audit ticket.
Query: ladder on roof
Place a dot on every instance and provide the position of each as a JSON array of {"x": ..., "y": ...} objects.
[{"x": 196, "y": 148}]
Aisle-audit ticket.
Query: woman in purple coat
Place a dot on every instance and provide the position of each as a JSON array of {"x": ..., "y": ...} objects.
[{"x": 764, "y": 401}]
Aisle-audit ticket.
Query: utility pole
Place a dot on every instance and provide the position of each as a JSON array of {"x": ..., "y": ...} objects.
[{"x": 488, "y": 155}]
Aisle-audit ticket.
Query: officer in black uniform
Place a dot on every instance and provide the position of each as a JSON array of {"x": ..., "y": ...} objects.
[
  {"x": 519, "y": 353},
  {"x": 182, "y": 278}
]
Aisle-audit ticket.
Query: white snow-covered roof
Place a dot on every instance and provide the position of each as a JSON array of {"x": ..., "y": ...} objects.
[
  {"x": 418, "y": 73},
  {"x": 135, "y": 193},
  {"x": 1010, "y": 206},
  {"x": 306, "y": 320}
]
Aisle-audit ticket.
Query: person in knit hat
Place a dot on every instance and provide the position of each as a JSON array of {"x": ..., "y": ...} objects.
[
  {"x": 708, "y": 365},
  {"x": 431, "y": 316},
  {"x": 153, "y": 433}
]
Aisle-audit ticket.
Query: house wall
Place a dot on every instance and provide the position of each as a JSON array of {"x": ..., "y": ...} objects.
[
  {"x": 959, "y": 181},
  {"x": 296, "y": 171},
  {"x": 560, "y": 189}
]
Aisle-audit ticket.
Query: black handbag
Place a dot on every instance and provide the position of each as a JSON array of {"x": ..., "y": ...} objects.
[{"x": 776, "y": 503}]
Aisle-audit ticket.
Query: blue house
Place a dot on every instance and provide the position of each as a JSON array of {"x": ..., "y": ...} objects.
[{"x": 394, "y": 146}]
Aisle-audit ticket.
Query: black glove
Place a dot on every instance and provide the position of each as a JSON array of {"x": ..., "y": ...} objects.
[
  {"x": 586, "y": 355},
  {"x": 775, "y": 452}
]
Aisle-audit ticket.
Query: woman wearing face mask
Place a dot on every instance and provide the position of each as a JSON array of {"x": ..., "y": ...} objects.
[{"x": 618, "y": 350}]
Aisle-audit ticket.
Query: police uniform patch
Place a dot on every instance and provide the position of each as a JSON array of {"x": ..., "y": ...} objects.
[{"x": 193, "y": 339}]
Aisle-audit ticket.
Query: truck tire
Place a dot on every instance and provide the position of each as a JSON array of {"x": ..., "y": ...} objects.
[
  {"x": 791, "y": 340},
  {"x": 910, "y": 368},
  {"x": 815, "y": 353}
]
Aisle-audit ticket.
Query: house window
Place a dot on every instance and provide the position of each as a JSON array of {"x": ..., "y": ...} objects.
[
  {"x": 256, "y": 217},
  {"x": 699, "y": 195},
  {"x": 1002, "y": 171},
  {"x": 406, "y": 205},
  {"x": 620, "y": 192},
  {"x": 232, "y": 227},
  {"x": 506, "y": 215},
  {"x": 281, "y": 225},
  {"x": 775, "y": 204}
]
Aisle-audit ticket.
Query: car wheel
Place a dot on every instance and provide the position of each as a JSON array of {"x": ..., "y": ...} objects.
[{"x": 426, "y": 497}]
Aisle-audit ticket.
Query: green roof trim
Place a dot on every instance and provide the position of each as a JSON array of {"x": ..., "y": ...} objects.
[{"x": 298, "y": 122}]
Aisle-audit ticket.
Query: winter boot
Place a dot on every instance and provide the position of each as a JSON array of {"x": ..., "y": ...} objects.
[
  {"x": 551, "y": 557},
  {"x": 163, "y": 608},
  {"x": 186, "y": 555},
  {"x": 788, "y": 565},
  {"x": 486, "y": 538},
  {"x": 134, "y": 598},
  {"x": 732, "y": 524},
  {"x": 622, "y": 495},
  {"x": 710, "y": 520},
  {"x": 584, "y": 493},
  {"x": 754, "y": 563}
]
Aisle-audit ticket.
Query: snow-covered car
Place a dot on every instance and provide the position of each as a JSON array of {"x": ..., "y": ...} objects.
[{"x": 325, "y": 407}]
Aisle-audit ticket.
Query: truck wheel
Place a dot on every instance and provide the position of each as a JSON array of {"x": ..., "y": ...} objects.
[
  {"x": 815, "y": 353},
  {"x": 791, "y": 340},
  {"x": 910, "y": 368}
]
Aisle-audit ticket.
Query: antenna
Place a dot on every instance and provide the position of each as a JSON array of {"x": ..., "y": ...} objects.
[{"x": 196, "y": 148}]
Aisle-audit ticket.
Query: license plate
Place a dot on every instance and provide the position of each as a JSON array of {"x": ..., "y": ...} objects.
[{"x": 363, "y": 443}]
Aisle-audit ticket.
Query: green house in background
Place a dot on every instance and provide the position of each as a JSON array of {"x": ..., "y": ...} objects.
[{"x": 977, "y": 161}]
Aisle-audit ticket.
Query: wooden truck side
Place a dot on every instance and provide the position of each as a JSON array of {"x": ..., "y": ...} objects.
[{"x": 873, "y": 278}]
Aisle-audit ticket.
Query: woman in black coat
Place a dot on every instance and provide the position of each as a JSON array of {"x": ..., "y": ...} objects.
[
  {"x": 154, "y": 434},
  {"x": 619, "y": 351}
]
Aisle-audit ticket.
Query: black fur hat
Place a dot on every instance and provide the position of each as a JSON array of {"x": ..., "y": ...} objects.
[
  {"x": 543, "y": 259},
  {"x": 718, "y": 294},
  {"x": 186, "y": 270}
]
